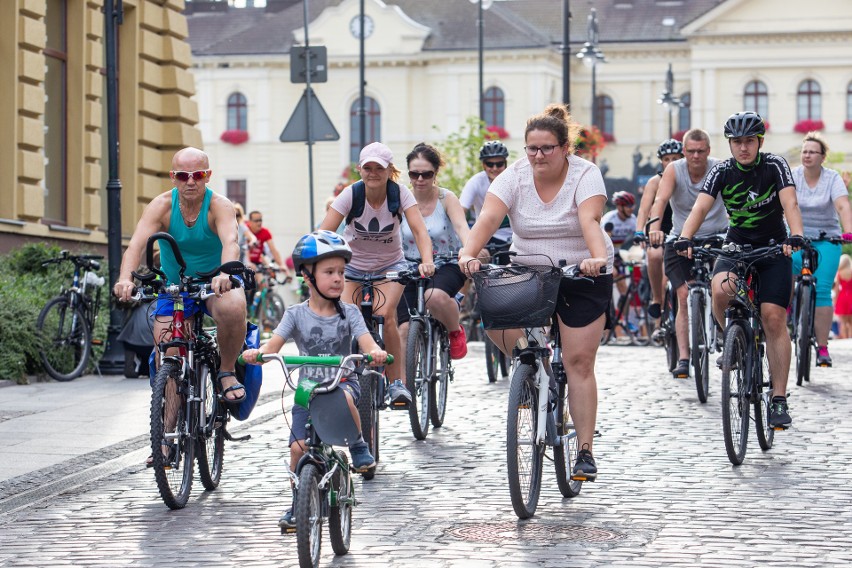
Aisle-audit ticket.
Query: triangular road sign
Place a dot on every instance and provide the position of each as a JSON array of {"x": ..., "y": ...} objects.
[{"x": 297, "y": 127}]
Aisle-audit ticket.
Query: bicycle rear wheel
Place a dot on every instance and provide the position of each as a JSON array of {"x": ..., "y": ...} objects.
[
  {"x": 369, "y": 413},
  {"x": 765, "y": 432},
  {"x": 668, "y": 322},
  {"x": 309, "y": 518},
  {"x": 210, "y": 450},
  {"x": 492, "y": 359},
  {"x": 273, "y": 311},
  {"x": 440, "y": 384},
  {"x": 565, "y": 454},
  {"x": 523, "y": 454},
  {"x": 804, "y": 329},
  {"x": 64, "y": 339},
  {"x": 340, "y": 513},
  {"x": 735, "y": 395},
  {"x": 173, "y": 472},
  {"x": 417, "y": 378},
  {"x": 700, "y": 344}
]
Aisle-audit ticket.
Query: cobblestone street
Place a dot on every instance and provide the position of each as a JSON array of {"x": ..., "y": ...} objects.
[{"x": 666, "y": 493}]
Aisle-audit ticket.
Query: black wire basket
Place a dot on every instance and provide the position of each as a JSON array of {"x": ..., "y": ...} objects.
[{"x": 510, "y": 297}]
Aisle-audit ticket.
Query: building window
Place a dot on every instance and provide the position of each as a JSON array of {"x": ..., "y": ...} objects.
[
  {"x": 237, "y": 112},
  {"x": 373, "y": 128},
  {"x": 684, "y": 118},
  {"x": 604, "y": 115},
  {"x": 235, "y": 190},
  {"x": 849, "y": 102},
  {"x": 55, "y": 111},
  {"x": 756, "y": 98},
  {"x": 494, "y": 105},
  {"x": 808, "y": 101}
]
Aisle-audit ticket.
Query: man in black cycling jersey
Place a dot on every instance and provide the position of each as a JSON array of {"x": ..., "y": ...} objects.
[{"x": 759, "y": 192}]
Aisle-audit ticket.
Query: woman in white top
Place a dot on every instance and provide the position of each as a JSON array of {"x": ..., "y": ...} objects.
[
  {"x": 554, "y": 201},
  {"x": 824, "y": 201}
]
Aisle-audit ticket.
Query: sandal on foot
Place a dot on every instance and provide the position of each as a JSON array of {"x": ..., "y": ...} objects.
[{"x": 231, "y": 403}]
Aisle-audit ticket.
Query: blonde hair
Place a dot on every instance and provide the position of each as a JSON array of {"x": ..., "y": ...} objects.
[
  {"x": 556, "y": 119},
  {"x": 238, "y": 209},
  {"x": 814, "y": 136}
]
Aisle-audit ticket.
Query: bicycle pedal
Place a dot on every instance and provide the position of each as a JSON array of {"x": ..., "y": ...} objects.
[
  {"x": 288, "y": 530},
  {"x": 399, "y": 406},
  {"x": 780, "y": 428},
  {"x": 578, "y": 477},
  {"x": 97, "y": 342}
]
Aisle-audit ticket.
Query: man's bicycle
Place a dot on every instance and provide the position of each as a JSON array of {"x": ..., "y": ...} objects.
[
  {"x": 323, "y": 477},
  {"x": 538, "y": 414},
  {"x": 746, "y": 384},
  {"x": 702, "y": 326},
  {"x": 188, "y": 418},
  {"x": 67, "y": 322}
]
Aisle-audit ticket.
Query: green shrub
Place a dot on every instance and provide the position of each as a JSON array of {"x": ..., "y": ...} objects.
[{"x": 25, "y": 287}]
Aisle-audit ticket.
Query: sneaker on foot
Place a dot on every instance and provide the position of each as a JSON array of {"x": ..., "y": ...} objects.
[
  {"x": 458, "y": 343},
  {"x": 654, "y": 311},
  {"x": 287, "y": 520},
  {"x": 399, "y": 395},
  {"x": 778, "y": 415},
  {"x": 823, "y": 358},
  {"x": 362, "y": 459},
  {"x": 682, "y": 369},
  {"x": 720, "y": 360},
  {"x": 585, "y": 468}
]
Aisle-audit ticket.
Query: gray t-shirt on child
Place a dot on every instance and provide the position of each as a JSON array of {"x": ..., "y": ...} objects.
[{"x": 817, "y": 203}]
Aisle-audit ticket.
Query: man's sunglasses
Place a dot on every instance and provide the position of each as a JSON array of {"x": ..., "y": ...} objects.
[
  {"x": 197, "y": 175},
  {"x": 500, "y": 164},
  {"x": 424, "y": 175}
]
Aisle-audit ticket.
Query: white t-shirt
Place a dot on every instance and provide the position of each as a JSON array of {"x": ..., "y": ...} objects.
[
  {"x": 817, "y": 204},
  {"x": 552, "y": 229},
  {"x": 473, "y": 196},
  {"x": 622, "y": 229},
  {"x": 374, "y": 236}
]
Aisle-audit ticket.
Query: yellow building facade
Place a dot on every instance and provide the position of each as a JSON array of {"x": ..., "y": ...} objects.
[{"x": 53, "y": 150}]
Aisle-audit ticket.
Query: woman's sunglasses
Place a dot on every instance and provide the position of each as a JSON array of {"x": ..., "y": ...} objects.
[
  {"x": 197, "y": 175},
  {"x": 418, "y": 175}
]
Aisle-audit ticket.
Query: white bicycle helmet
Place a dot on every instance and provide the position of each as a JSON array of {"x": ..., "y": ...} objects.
[{"x": 318, "y": 245}]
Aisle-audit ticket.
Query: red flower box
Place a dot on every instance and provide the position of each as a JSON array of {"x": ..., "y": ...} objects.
[
  {"x": 589, "y": 143},
  {"x": 608, "y": 137},
  {"x": 235, "y": 137},
  {"x": 679, "y": 135},
  {"x": 847, "y": 125},
  {"x": 497, "y": 132},
  {"x": 807, "y": 125}
]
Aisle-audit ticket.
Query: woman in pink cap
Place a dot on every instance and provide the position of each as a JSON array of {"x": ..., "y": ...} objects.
[{"x": 372, "y": 209}]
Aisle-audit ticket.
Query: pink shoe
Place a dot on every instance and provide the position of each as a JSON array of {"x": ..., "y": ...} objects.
[{"x": 458, "y": 344}]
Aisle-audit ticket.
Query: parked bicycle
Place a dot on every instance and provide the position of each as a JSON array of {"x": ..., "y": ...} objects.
[
  {"x": 323, "y": 476},
  {"x": 267, "y": 306},
  {"x": 538, "y": 412},
  {"x": 746, "y": 384},
  {"x": 803, "y": 308},
  {"x": 428, "y": 367},
  {"x": 66, "y": 323},
  {"x": 703, "y": 330},
  {"x": 188, "y": 419}
]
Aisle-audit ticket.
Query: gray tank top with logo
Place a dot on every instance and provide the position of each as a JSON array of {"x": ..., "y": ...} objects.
[
  {"x": 683, "y": 200},
  {"x": 441, "y": 231}
]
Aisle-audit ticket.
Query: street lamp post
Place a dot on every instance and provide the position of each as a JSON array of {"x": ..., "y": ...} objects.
[
  {"x": 667, "y": 99},
  {"x": 566, "y": 53},
  {"x": 480, "y": 27},
  {"x": 591, "y": 56}
]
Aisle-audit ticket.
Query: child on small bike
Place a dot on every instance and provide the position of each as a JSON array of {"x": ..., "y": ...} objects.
[{"x": 322, "y": 326}]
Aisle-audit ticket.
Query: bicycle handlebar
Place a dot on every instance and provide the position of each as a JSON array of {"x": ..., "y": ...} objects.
[
  {"x": 330, "y": 361},
  {"x": 87, "y": 261}
]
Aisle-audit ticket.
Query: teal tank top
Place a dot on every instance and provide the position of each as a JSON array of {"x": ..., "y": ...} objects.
[{"x": 200, "y": 248}]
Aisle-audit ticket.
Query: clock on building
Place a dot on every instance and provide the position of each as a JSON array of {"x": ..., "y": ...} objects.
[{"x": 355, "y": 26}]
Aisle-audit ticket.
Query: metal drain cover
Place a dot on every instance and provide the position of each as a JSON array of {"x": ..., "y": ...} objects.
[{"x": 539, "y": 532}]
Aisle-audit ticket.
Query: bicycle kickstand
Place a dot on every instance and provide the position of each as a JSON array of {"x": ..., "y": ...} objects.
[{"x": 227, "y": 435}]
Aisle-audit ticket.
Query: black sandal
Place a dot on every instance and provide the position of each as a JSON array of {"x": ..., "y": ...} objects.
[{"x": 232, "y": 403}]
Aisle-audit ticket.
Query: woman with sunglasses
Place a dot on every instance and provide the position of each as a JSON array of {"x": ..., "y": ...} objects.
[
  {"x": 554, "y": 200},
  {"x": 376, "y": 243},
  {"x": 447, "y": 226}
]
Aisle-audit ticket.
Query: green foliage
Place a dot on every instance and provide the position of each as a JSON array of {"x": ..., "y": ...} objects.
[
  {"x": 461, "y": 153},
  {"x": 25, "y": 288}
]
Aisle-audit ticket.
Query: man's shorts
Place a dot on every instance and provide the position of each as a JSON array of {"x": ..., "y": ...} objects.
[
  {"x": 678, "y": 268},
  {"x": 774, "y": 281},
  {"x": 300, "y": 415}
]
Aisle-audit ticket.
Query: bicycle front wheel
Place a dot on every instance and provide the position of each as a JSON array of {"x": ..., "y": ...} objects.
[
  {"x": 492, "y": 359},
  {"x": 668, "y": 321},
  {"x": 172, "y": 448},
  {"x": 523, "y": 454},
  {"x": 735, "y": 395},
  {"x": 700, "y": 344},
  {"x": 64, "y": 339},
  {"x": 565, "y": 453},
  {"x": 368, "y": 412},
  {"x": 765, "y": 432},
  {"x": 309, "y": 517},
  {"x": 804, "y": 329},
  {"x": 440, "y": 384},
  {"x": 417, "y": 378},
  {"x": 210, "y": 450}
]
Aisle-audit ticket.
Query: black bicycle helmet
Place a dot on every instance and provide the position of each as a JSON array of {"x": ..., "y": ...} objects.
[
  {"x": 493, "y": 149},
  {"x": 746, "y": 123},
  {"x": 670, "y": 146}
]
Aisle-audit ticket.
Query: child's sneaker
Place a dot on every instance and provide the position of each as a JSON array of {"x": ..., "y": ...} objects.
[
  {"x": 399, "y": 395},
  {"x": 362, "y": 459}
]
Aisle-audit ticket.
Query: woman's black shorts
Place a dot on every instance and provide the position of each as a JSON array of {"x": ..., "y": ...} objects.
[
  {"x": 448, "y": 278},
  {"x": 581, "y": 302}
]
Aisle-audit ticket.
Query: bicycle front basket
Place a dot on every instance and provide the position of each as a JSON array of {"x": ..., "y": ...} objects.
[{"x": 517, "y": 296}]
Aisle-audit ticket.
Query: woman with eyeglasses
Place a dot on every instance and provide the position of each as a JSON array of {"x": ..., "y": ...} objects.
[
  {"x": 373, "y": 216},
  {"x": 822, "y": 200},
  {"x": 555, "y": 200},
  {"x": 447, "y": 227}
]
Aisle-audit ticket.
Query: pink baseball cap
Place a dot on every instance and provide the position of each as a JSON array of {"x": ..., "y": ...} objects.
[{"x": 375, "y": 152}]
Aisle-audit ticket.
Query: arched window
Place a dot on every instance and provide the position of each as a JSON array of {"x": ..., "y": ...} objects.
[
  {"x": 604, "y": 116},
  {"x": 684, "y": 119},
  {"x": 808, "y": 101},
  {"x": 237, "y": 112},
  {"x": 494, "y": 105},
  {"x": 373, "y": 126},
  {"x": 756, "y": 98}
]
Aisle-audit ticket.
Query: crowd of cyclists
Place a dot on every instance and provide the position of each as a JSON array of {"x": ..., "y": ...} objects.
[{"x": 547, "y": 207}]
